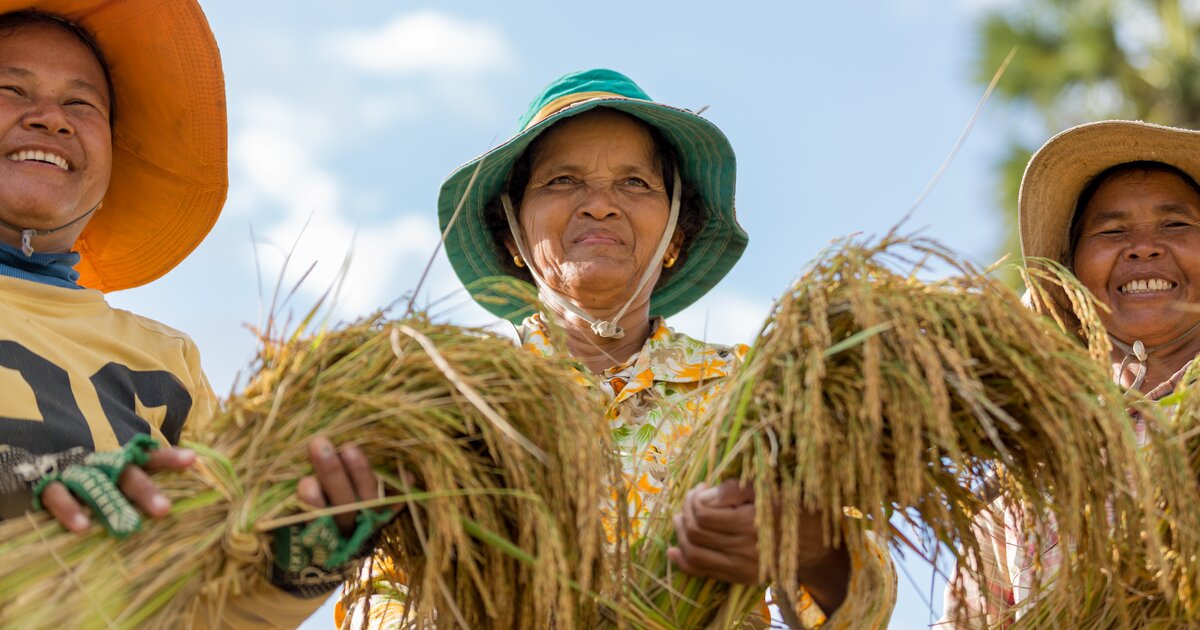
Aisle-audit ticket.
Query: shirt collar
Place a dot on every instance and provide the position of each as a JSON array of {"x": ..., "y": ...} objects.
[{"x": 667, "y": 356}]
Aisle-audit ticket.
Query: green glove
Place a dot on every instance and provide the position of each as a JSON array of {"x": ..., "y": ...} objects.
[{"x": 95, "y": 483}]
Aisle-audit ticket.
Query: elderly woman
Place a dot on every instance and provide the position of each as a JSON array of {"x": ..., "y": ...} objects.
[
  {"x": 1118, "y": 203},
  {"x": 112, "y": 126},
  {"x": 620, "y": 211}
]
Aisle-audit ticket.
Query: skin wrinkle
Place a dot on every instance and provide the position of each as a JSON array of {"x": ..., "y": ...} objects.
[
  {"x": 593, "y": 213},
  {"x": 1142, "y": 225}
]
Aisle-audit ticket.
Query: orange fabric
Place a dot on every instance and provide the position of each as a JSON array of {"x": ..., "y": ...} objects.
[{"x": 170, "y": 169}]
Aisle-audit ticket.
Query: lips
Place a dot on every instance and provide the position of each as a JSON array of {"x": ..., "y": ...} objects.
[
  {"x": 599, "y": 237},
  {"x": 1146, "y": 285}
]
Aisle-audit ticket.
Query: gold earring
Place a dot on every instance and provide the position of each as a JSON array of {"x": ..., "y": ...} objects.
[
  {"x": 668, "y": 263},
  {"x": 517, "y": 261}
]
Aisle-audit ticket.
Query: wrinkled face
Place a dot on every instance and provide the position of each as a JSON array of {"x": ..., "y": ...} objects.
[
  {"x": 595, "y": 207},
  {"x": 54, "y": 131},
  {"x": 1139, "y": 253}
]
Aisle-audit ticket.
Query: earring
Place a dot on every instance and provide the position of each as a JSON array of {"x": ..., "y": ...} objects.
[
  {"x": 668, "y": 263},
  {"x": 517, "y": 261}
]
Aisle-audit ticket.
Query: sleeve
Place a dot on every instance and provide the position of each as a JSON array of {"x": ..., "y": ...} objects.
[
  {"x": 264, "y": 607},
  {"x": 966, "y": 602},
  {"x": 204, "y": 401},
  {"x": 870, "y": 596},
  {"x": 377, "y": 600}
]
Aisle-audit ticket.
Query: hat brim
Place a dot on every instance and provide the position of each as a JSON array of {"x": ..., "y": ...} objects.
[
  {"x": 169, "y": 168},
  {"x": 707, "y": 163},
  {"x": 1057, "y": 174}
]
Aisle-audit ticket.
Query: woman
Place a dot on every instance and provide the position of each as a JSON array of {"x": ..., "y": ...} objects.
[
  {"x": 1118, "y": 203},
  {"x": 620, "y": 210},
  {"x": 112, "y": 126}
]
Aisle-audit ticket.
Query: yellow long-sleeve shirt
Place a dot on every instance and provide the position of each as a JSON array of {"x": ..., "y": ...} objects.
[{"x": 76, "y": 373}]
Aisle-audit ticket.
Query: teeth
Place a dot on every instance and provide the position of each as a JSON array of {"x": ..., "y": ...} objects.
[
  {"x": 1147, "y": 286},
  {"x": 40, "y": 156}
]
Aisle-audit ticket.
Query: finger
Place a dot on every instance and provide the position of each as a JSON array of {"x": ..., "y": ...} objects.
[
  {"x": 726, "y": 520},
  {"x": 309, "y": 492},
  {"x": 729, "y": 493},
  {"x": 701, "y": 561},
  {"x": 335, "y": 483},
  {"x": 62, "y": 505},
  {"x": 141, "y": 491},
  {"x": 170, "y": 458},
  {"x": 366, "y": 485}
]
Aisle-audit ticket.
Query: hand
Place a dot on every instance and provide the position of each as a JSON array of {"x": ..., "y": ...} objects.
[
  {"x": 340, "y": 478},
  {"x": 134, "y": 483},
  {"x": 717, "y": 535}
]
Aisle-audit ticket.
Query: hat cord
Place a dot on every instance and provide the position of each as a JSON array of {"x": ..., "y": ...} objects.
[
  {"x": 608, "y": 329},
  {"x": 1139, "y": 352},
  {"x": 27, "y": 234}
]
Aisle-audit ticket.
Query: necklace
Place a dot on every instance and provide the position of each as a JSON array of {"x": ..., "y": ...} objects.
[
  {"x": 27, "y": 234},
  {"x": 1139, "y": 352}
]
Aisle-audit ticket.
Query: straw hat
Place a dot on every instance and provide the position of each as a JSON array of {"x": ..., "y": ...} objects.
[
  {"x": 706, "y": 163},
  {"x": 169, "y": 167},
  {"x": 1063, "y": 167}
]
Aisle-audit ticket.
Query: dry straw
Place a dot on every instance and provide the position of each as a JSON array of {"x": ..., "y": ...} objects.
[
  {"x": 509, "y": 507},
  {"x": 875, "y": 394},
  {"x": 1134, "y": 595}
]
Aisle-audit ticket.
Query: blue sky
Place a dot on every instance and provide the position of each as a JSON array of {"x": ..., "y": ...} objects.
[{"x": 348, "y": 116}]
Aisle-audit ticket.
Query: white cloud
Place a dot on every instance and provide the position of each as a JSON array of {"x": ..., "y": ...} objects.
[
  {"x": 276, "y": 158},
  {"x": 426, "y": 42}
]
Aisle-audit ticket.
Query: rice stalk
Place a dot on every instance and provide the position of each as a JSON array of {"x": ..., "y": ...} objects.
[
  {"x": 506, "y": 450},
  {"x": 871, "y": 395}
]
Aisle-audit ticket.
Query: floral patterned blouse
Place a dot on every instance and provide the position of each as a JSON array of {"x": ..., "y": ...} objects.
[{"x": 655, "y": 398}]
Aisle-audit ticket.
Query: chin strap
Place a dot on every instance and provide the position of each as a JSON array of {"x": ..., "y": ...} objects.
[
  {"x": 1140, "y": 353},
  {"x": 609, "y": 329},
  {"x": 27, "y": 234}
]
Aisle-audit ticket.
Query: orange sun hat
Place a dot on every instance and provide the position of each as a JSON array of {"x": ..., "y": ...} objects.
[{"x": 170, "y": 168}]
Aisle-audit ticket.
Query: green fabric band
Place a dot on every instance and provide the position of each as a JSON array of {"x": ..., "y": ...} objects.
[
  {"x": 95, "y": 482},
  {"x": 320, "y": 544}
]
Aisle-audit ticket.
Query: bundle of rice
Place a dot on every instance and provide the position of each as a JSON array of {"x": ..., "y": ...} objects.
[
  {"x": 1133, "y": 595},
  {"x": 504, "y": 532},
  {"x": 874, "y": 394}
]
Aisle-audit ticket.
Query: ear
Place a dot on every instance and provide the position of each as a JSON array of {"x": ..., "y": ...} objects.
[
  {"x": 511, "y": 246},
  {"x": 675, "y": 247}
]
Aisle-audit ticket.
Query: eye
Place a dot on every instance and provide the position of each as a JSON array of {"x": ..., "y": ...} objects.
[
  {"x": 561, "y": 180},
  {"x": 11, "y": 89},
  {"x": 636, "y": 181}
]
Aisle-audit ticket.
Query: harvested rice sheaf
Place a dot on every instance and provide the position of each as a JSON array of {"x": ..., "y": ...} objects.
[
  {"x": 507, "y": 448},
  {"x": 1134, "y": 597},
  {"x": 871, "y": 396}
]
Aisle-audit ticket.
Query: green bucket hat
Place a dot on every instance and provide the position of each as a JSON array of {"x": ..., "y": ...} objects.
[{"x": 706, "y": 162}]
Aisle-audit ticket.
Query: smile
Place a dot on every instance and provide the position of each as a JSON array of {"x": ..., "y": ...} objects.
[
  {"x": 40, "y": 156},
  {"x": 1147, "y": 286}
]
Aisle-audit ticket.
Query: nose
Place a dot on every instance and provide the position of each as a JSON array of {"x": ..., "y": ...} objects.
[
  {"x": 47, "y": 116},
  {"x": 1144, "y": 245},
  {"x": 598, "y": 202}
]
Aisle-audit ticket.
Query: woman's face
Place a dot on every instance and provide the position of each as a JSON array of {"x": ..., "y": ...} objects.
[
  {"x": 595, "y": 207},
  {"x": 54, "y": 132},
  {"x": 1139, "y": 253}
]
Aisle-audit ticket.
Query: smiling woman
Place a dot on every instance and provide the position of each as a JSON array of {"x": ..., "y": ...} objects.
[
  {"x": 94, "y": 400},
  {"x": 55, "y": 102},
  {"x": 1118, "y": 203}
]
